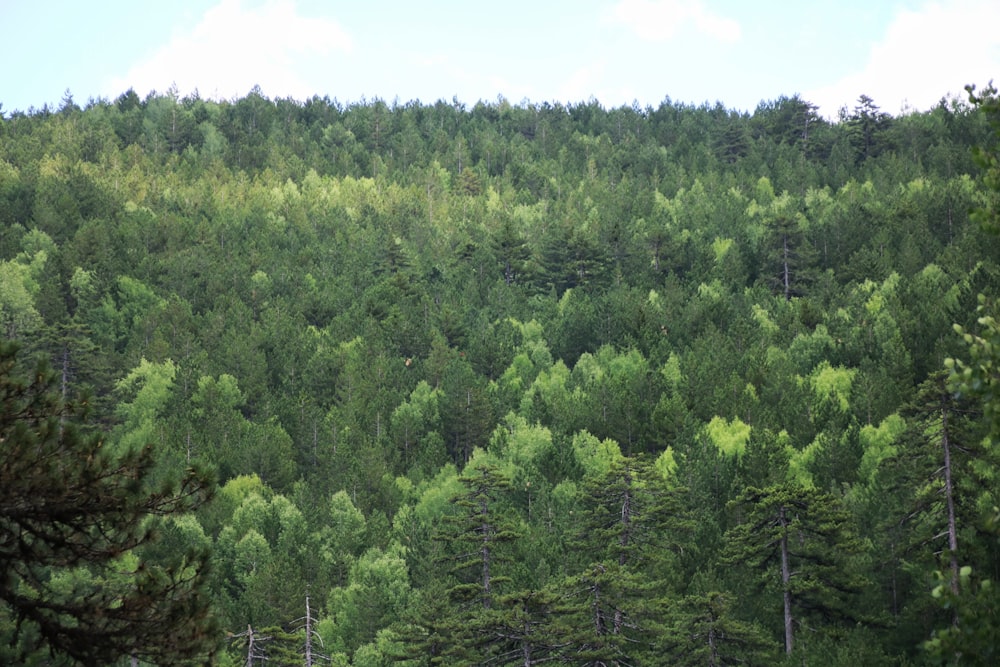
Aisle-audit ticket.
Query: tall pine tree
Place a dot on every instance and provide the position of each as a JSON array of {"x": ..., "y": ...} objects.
[{"x": 72, "y": 514}]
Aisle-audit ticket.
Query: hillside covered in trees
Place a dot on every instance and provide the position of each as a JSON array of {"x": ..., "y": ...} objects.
[{"x": 507, "y": 384}]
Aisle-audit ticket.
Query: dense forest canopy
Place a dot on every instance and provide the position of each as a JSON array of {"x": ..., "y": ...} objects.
[{"x": 515, "y": 383}]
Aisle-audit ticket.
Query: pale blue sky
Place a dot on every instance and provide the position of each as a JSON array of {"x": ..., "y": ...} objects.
[{"x": 902, "y": 53}]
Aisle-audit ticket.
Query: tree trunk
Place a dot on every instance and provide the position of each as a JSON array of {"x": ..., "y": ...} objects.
[
  {"x": 623, "y": 541},
  {"x": 713, "y": 650},
  {"x": 64, "y": 377},
  {"x": 949, "y": 498},
  {"x": 487, "y": 591},
  {"x": 786, "y": 576},
  {"x": 599, "y": 627},
  {"x": 309, "y": 659},
  {"x": 786, "y": 273},
  {"x": 249, "y": 646}
]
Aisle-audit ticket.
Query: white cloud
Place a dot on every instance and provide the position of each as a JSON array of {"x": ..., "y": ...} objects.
[
  {"x": 581, "y": 83},
  {"x": 593, "y": 81},
  {"x": 925, "y": 54},
  {"x": 234, "y": 48},
  {"x": 660, "y": 20}
]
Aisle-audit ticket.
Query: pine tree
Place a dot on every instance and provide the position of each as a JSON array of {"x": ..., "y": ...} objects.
[
  {"x": 478, "y": 533},
  {"x": 72, "y": 514},
  {"x": 972, "y": 637},
  {"x": 429, "y": 628},
  {"x": 703, "y": 631},
  {"x": 987, "y": 102},
  {"x": 946, "y": 444},
  {"x": 512, "y": 253},
  {"x": 789, "y": 257},
  {"x": 867, "y": 127},
  {"x": 481, "y": 529},
  {"x": 798, "y": 539},
  {"x": 527, "y": 629},
  {"x": 632, "y": 523}
]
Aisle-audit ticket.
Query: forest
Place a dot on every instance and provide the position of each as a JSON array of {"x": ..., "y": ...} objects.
[{"x": 518, "y": 383}]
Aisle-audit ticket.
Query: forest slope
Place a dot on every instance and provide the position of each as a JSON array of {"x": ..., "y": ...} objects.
[{"x": 520, "y": 382}]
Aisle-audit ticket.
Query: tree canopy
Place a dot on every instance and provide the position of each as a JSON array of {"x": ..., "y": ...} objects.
[
  {"x": 75, "y": 516},
  {"x": 501, "y": 383}
]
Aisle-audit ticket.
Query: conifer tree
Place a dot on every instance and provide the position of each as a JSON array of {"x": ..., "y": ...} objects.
[
  {"x": 867, "y": 126},
  {"x": 512, "y": 253},
  {"x": 789, "y": 257},
  {"x": 797, "y": 539},
  {"x": 429, "y": 628},
  {"x": 703, "y": 631},
  {"x": 527, "y": 629},
  {"x": 947, "y": 443},
  {"x": 72, "y": 512},
  {"x": 975, "y": 598},
  {"x": 480, "y": 529},
  {"x": 478, "y": 532},
  {"x": 633, "y": 521}
]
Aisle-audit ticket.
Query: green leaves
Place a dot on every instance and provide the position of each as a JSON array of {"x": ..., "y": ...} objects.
[
  {"x": 971, "y": 639},
  {"x": 979, "y": 376},
  {"x": 149, "y": 385},
  {"x": 987, "y": 155},
  {"x": 729, "y": 437},
  {"x": 377, "y": 593},
  {"x": 798, "y": 541},
  {"x": 71, "y": 513},
  {"x": 351, "y": 310},
  {"x": 832, "y": 385}
]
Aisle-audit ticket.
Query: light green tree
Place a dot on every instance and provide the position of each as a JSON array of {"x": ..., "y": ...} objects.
[{"x": 376, "y": 594}]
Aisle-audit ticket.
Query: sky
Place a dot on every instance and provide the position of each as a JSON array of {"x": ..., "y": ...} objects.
[{"x": 904, "y": 54}]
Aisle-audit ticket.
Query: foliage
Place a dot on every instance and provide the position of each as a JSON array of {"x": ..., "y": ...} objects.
[
  {"x": 72, "y": 515},
  {"x": 633, "y": 333},
  {"x": 972, "y": 639},
  {"x": 798, "y": 542}
]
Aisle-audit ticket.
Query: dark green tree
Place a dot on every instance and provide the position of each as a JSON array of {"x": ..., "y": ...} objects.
[
  {"x": 632, "y": 524},
  {"x": 971, "y": 639},
  {"x": 946, "y": 437},
  {"x": 512, "y": 253},
  {"x": 798, "y": 542},
  {"x": 429, "y": 628},
  {"x": 987, "y": 155},
  {"x": 72, "y": 512},
  {"x": 788, "y": 120},
  {"x": 482, "y": 529},
  {"x": 527, "y": 629},
  {"x": 479, "y": 532},
  {"x": 867, "y": 126},
  {"x": 974, "y": 599},
  {"x": 702, "y": 630},
  {"x": 789, "y": 257},
  {"x": 571, "y": 257},
  {"x": 466, "y": 414}
]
